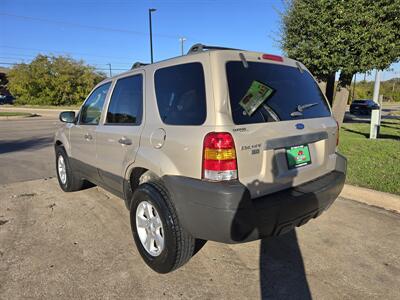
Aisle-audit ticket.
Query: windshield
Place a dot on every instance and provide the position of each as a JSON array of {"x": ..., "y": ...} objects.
[{"x": 270, "y": 92}]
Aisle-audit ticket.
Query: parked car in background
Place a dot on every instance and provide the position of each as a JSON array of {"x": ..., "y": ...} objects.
[
  {"x": 6, "y": 99},
  {"x": 363, "y": 107}
]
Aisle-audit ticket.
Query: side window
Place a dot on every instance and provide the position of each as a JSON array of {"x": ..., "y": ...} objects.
[
  {"x": 181, "y": 95},
  {"x": 91, "y": 111},
  {"x": 126, "y": 101}
]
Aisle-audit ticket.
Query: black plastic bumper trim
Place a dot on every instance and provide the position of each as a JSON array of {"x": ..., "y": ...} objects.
[{"x": 225, "y": 212}]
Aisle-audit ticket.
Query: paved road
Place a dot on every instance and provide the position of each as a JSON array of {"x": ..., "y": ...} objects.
[
  {"x": 26, "y": 151},
  {"x": 56, "y": 245}
]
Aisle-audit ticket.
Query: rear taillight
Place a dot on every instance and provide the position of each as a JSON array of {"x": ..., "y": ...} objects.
[
  {"x": 337, "y": 133},
  {"x": 219, "y": 157}
]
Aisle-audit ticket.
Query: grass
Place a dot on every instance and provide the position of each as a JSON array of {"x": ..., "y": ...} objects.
[
  {"x": 373, "y": 164},
  {"x": 13, "y": 114}
]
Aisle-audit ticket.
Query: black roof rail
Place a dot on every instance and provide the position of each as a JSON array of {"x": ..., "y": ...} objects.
[
  {"x": 138, "y": 64},
  {"x": 197, "y": 48}
]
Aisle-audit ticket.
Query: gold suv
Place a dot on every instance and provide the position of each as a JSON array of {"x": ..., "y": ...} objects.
[{"x": 220, "y": 144}]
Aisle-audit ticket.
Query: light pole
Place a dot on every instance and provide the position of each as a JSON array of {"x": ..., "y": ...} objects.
[
  {"x": 394, "y": 79},
  {"x": 151, "y": 33},
  {"x": 182, "y": 40}
]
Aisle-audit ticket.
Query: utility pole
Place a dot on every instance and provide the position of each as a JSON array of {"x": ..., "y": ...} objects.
[
  {"x": 109, "y": 65},
  {"x": 151, "y": 33},
  {"x": 354, "y": 86},
  {"x": 394, "y": 80},
  {"x": 182, "y": 40},
  {"x": 375, "y": 114}
]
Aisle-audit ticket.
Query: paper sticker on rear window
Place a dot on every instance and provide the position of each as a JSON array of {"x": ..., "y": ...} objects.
[{"x": 255, "y": 96}]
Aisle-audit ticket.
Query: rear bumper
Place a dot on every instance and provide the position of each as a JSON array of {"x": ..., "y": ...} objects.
[{"x": 225, "y": 212}]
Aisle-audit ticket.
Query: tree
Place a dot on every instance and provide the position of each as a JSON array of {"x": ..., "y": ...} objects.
[
  {"x": 3, "y": 81},
  {"x": 52, "y": 80},
  {"x": 346, "y": 36}
]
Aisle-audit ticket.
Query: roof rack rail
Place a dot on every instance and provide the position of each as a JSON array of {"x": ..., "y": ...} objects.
[
  {"x": 197, "y": 48},
  {"x": 138, "y": 64}
]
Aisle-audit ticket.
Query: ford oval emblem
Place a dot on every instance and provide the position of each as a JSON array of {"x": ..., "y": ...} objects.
[{"x": 300, "y": 126}]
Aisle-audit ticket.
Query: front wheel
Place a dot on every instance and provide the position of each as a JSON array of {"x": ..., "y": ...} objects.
[
  {"x": 163, "y": 244},
  {"x": 67, "y": 179}
]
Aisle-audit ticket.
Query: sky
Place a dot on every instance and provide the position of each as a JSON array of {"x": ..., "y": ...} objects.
[{"x": 116, "y": 32}]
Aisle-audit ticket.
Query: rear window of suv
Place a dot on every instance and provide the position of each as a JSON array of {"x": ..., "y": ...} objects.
[
  {"x": 295, "y": 95},
  {"x": 181, "y": 95}
]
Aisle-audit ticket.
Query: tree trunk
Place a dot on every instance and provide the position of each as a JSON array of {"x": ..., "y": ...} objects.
[
  {"x": 330, "y": 88},
  {"x": 322, "y": 86},
  {"x": 341, "y": 97}
]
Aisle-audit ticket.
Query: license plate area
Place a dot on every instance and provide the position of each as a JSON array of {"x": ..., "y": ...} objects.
[{"x": 298, "y": 156}]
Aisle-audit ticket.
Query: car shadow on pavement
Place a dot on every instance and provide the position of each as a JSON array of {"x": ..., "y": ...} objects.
[
  {"x": 7, "y": 146},
  {"x": 282, "y": 273}
]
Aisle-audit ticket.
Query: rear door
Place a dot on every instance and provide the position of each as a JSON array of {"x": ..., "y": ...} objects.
[
  {"x": 83, "y": 133},
  {"x": 285, "y": 137},
  {"x": 118, "y": 137}
]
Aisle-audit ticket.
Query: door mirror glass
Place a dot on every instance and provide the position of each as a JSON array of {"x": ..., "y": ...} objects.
[{"x": 67, "y": 117}]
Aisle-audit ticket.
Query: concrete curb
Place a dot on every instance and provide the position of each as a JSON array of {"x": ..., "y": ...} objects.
[{"x": 371, "y": 197}]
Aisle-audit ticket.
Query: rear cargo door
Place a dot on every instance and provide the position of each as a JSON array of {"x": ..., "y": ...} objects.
[{"x": 284, "y": 131}]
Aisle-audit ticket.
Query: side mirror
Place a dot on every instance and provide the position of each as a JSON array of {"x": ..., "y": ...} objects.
[{"x": 67, "y": 117}]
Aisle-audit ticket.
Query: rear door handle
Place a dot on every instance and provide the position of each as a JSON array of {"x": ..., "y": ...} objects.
[
  {"x": 125, "y": 141},
  {"x": 88, "y": 137}
]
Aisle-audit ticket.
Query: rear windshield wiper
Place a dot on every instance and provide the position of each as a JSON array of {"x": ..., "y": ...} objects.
[
  {"x": 271, "y": 112},
  {"x": 300, "y": 108}
]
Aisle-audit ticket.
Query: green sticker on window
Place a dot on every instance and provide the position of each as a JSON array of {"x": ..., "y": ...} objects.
[{"x": 255, "y": 96}]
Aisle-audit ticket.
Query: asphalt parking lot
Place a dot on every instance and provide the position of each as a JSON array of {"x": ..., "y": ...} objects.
[
  {"x": 55, "y": 245},
  {"x": 26, "y": 151}
]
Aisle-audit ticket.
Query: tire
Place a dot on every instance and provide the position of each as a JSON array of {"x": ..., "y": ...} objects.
[
  {"x": 71, "y": 183},
  {"x": 178, "y": 245}
]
